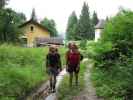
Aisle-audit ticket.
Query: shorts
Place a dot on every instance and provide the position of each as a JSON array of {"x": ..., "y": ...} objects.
[
  {"x": 53, "y": 71},
  {"x": 73, "y": 68}
]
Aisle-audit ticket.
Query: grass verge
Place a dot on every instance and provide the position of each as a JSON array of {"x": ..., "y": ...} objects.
[
  {"x": 21, "y": 69},
  {"x": 67, "y": 93}
]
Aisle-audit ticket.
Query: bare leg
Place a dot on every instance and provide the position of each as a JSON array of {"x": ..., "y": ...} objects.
[
  {"x": 54, "y": 82},
  {"x": 70, "y": 79},
  {"x": 76, "y": 78},
  {"x": 50, "y": 83}
]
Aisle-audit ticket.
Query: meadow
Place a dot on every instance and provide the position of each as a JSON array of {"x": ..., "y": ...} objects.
[{"x": 21, "y": 70}]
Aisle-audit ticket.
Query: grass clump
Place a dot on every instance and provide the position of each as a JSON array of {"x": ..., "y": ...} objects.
[{"x": 67, "y": 93}]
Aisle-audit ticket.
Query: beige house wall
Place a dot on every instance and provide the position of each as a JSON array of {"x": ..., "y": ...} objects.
[{"x": 31, "y": 35}]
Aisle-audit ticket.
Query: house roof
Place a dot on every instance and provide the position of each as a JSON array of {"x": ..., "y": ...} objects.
[
  {"x": 33, "y": 22},
  {"x": 100, "y": 24},
  {"x": 51, "y": 40}
]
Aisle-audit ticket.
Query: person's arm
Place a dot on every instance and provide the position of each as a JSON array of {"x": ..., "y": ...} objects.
[
  {"x": 81, "y": 57},
  {"x": 78, "y": 58}
]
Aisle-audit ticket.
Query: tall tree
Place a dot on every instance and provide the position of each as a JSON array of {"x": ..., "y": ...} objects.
[
  {"x": 85, "y": 26},
  {"x": 50, "y": 25},
  {"x": 72, "y": 26},
  {"x": 9, "y": 22},
  {"x": 3, "y": 3},
  {"x": 94, "y": 18}
]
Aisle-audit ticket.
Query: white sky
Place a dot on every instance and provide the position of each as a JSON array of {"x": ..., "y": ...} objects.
[{"x": 59, "y": 10}]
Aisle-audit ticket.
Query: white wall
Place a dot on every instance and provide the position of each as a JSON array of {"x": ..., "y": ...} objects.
[{"x": 97, "y": 34}]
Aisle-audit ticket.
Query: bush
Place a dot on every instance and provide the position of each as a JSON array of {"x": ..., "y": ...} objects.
[
  {"x": 119, "y": 28},
  {"x": 83, "y": 44},
  {"x": 113, "y": 56},
  {"x": 95, "y": 49},
  {"x": 116, "y": 82},
  {"x": 21, "y": 69}
]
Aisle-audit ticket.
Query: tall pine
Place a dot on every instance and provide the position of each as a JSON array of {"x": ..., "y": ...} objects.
[
  {"x": 85, "y": 26},
  {"x": 3, "y": 3},
  {"x": 72, "y": 26},
  {"x": 94, "y": 18},
  {"x": 9, "y": 22}
]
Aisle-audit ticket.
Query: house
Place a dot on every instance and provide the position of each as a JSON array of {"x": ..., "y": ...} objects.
[
  {"x": 98, "y": 29},
  {"x": 35, "y": 34},
  {"x": 32, "y": 30}
]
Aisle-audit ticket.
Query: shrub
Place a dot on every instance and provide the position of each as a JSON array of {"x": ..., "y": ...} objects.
[
  {"x": 95, "y": 49},
  {"x": 21, "y": 69},
  {"x": 113, "y": 55},
  {"x": 119, "y": 28},
  {"x": 83, "y": 44}
]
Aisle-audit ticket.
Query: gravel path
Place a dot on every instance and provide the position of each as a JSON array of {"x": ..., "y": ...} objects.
[
  {"x": 42, "y": 92},
  {"x": 89, "y": 92},
  {"x": 59, "y": 78}
]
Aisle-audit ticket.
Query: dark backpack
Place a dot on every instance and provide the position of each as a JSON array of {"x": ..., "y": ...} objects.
[{"x": 53, "y": 60}]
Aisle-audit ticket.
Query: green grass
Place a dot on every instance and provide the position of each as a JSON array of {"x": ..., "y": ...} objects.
[
  {"x": 116, "y": 83},
  {"x": 67, "y": 93},
  {"x": 62, "y": 51},
  {"x": 21, "y": 70},
  {"x": 107, "y": 87}
]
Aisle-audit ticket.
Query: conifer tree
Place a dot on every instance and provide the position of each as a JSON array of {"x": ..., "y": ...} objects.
[
  {"x": 3, "y": 3},
  {"x": 71, "y": 31},
  {"x": 50, "y": 25},
  {"x": 94, "y": 18},
  {"x": 85, "y": 26}
]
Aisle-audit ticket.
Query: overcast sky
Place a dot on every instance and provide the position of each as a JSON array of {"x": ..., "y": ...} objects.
[{"x": 59, "y": 10}]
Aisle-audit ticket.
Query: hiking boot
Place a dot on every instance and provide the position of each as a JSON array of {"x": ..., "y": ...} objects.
[
  {"x": 49, "y": 90},
  {"x": 54, "y": 90}
]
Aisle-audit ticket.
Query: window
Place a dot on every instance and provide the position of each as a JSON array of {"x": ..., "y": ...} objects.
[{"x": 31, "y": 28}]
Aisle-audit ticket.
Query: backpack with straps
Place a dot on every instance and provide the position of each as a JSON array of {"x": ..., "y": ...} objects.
[{"x": 73, "y": 58}]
